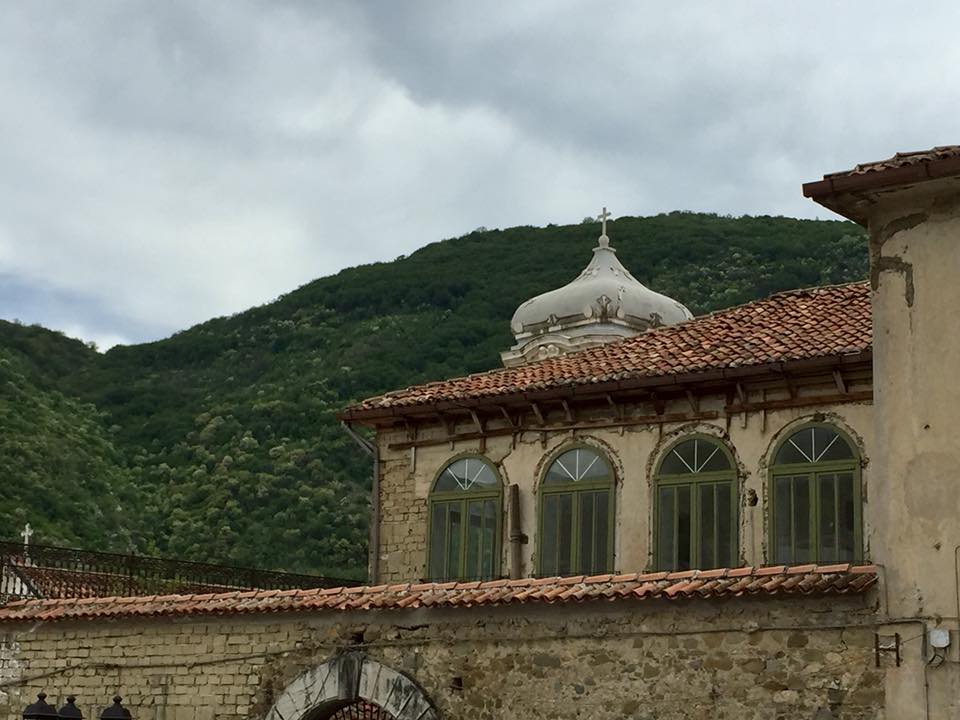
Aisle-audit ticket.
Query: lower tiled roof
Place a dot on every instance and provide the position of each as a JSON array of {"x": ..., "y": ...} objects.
[{"x": 777, "y": 581}]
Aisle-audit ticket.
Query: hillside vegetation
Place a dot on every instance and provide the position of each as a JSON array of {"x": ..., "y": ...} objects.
[{"x": 220, "y": 443}]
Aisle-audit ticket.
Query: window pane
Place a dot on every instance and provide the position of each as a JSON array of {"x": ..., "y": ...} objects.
[
  {"x": 466, "y": 474},
  {"x": 474, "y": 539},
  {"x": 667, "y": 526},
  {"x": 711, "y": 457},
  {"x": 782, "y": 520},
  {"x": 694, "y": 456},
  {"x": 708, "y": 527},
  {"x": 565, "y": 534},
  {"x": 830, "y": 445},
  {"x": 578, "y": 465},
  {"x": 602, "y": 532},
  {"x": 592, "y": 466},
  {"x": 798, "y": 448},
  {"x": 438, "y": 541},
  {"x": 679, "y": 461},
  {"x": 586, "y": 512},
  {"x": 684, "y": 521},
  {"x": 488, "y": 557},
  {"x": 847, "y": 516},
  {"x": 455, "y": 521},
  {"x": 827, "y": 518},
  {"x": 803, "y": 551},
  {"x": 725, "y": 525},
  {"x": 548, "y": 543},
  {"x": 812, "y": 445}
]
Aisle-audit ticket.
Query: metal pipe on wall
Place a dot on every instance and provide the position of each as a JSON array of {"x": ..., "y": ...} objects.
[
  {"x": 373, "y": 450},
  {"x": 517, "y": 538}
]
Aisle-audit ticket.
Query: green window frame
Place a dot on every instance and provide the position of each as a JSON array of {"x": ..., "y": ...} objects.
[
  {"x": 463, "y": 534},
  {"x": 815, "y": 498},
  {"x": 576, "y": 514},
  {"x": 695, "y": 506}
]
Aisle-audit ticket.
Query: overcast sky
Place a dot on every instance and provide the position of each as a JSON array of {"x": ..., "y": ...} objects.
[{"x": 165, "y": 162}]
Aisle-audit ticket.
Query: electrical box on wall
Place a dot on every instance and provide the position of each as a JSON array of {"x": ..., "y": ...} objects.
[{"x": 938, "y": 638}]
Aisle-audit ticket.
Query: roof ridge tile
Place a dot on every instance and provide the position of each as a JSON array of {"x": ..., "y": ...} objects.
[{"x": 840, "y": 578}]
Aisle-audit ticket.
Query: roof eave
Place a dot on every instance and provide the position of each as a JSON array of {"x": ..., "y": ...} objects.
[
  {"x": 375, "y": 416},
  {"x": 846, "y": 195}
]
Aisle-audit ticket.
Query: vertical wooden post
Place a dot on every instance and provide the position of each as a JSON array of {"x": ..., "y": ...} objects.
[{"x": 517, "y": 538}]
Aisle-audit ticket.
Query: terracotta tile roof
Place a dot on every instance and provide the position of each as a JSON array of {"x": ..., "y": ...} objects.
[
  {"x": 778, "y": 581},
  {"x": 848, "y": 192},
  {"x": 789, "y": 326},
  {"x": 900, "y": 160}
]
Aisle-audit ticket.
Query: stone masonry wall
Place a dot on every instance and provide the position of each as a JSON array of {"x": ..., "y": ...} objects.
[{"x": 744, "y": 658}]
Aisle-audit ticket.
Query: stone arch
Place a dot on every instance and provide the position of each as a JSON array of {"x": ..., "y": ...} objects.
[{"x": 347, "y": 678}]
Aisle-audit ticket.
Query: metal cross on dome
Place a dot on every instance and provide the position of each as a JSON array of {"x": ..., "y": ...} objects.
[{"x": 603, "y": 219}]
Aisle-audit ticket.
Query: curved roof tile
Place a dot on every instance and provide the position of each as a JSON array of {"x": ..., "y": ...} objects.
[
  {"x": 776, "y": 581},
  {"x": 788, "y": 326}
]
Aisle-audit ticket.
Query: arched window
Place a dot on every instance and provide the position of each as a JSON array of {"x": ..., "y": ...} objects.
[
  {"x": 815, "y": 490},
  {"x": 576, "y": 514},
  {"x": 465, "y": 522},
  {"x": 695, "y": 506}
]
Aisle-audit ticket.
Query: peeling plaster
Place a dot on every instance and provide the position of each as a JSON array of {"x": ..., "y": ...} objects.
[{"x": 880, "y": 263}]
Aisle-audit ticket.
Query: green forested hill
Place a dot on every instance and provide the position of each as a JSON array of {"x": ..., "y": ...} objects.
[{"x": 220, "y": 443}]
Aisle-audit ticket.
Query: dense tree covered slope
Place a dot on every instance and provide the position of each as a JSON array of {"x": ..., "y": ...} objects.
[{"x": 220, "y": 443}]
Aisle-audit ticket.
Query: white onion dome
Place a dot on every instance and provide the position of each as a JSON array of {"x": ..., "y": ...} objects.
[{"x": 603, "y": 304}]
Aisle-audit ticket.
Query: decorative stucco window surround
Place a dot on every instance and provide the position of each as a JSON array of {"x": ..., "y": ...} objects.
[
  {"x": 463, "y": 536},
  {"x": 695, "y": 505},
  {"x": 815, "y": 507},
  {"x": 576, "y": 513}
]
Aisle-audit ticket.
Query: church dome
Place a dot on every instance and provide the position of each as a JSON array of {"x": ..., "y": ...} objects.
[{"x": 603, "y": 304}]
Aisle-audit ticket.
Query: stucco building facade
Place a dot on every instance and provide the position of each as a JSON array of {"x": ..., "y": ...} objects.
[{"x": 748, "y": 514}]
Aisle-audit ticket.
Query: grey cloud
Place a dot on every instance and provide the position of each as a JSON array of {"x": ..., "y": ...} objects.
[{"x": 162, "y": 163}]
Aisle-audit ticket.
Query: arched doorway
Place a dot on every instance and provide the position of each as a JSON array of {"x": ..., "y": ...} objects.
[{"x": 352, "y": 686}]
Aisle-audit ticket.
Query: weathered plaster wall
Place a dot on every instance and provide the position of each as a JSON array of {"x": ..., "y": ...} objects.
[
  {"x": 742, "y": 658},
  {"x": 915, "y": 266},
  {"x": 407, "y": 477}
]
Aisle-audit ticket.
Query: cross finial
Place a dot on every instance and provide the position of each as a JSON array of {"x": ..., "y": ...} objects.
[
  {"x": 26, "y": 535},
  {"x": 603, "y": 219}
]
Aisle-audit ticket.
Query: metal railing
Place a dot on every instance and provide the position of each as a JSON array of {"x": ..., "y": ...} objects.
[{"x": 45, "y": 571}]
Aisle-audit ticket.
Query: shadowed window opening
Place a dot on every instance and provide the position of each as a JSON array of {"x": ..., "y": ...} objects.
[
  {"x": 695, "y": 507},
  {"x": 576, "y": 515},
  {"x": 464, "y": 526},
  {"x": 815, "y": 508}
]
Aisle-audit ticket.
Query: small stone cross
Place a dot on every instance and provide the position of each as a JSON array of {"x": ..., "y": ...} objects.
[
  {"x": 603, "y": 219},
  {"x": 26, "y": 535}
]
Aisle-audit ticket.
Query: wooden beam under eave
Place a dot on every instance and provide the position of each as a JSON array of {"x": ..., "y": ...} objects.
[
  {"x": 536, "y": 413},
  {"x": 543, "y": 431},
  {"x": 615, "y": 406},
  {"x": 449, "y": 427},
  {"x": 806, "y": 401},
  {"x": 567, "y": 411},
  {"x": 839, "y": 380},
  {"x": 659, "y": 405},
  {"x": 791, "y": 386},
  {"x": 476, "y": 420}
]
